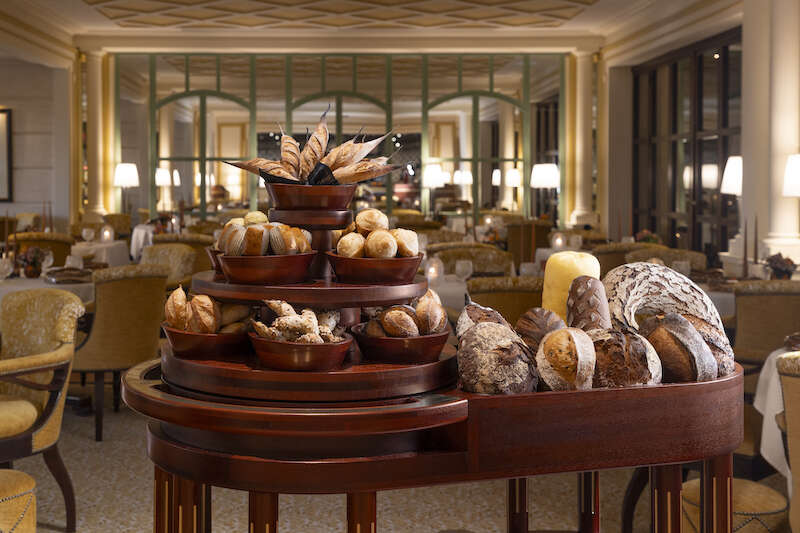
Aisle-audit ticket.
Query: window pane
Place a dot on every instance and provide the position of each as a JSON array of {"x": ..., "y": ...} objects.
[
  {"x": 734, "y": 85},
  {"x": 643, "y": 121},
  {"x": 683, "y": 101},
  {"x": 710, "y": 175},
  {"x": 644, "y": 176},
  {"x": 684, "y": 176},
  {"x": 710, "y": 80}
]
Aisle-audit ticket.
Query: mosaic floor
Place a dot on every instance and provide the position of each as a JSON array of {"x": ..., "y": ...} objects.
[{"x": 113, "y": 483}]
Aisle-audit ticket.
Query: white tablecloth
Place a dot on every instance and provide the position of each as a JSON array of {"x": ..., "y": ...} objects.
[
  {"x": 84, "y": 291},
  {"x": 769, "y": 402},
  {"x": 115, "y": 253},
  {"x": 142, "y": 236}
]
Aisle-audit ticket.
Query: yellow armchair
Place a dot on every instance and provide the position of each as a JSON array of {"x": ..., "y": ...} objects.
[
  {"x": 198, "y": 241},
  {"x": 178, "y": 256},
  {"x": 59, "y": 243},
  {"x": 38, "y": 332}
]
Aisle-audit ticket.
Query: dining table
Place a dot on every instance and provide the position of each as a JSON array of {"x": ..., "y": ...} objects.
[
  {"x": 113, "y": 253},
  {"x": 142, "y": 236}
]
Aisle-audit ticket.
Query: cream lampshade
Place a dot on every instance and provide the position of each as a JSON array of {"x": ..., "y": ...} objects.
[
  {"x": 732, "y": 176},
  {"x": 709, "y": 176},
  {"x": 496, "y": 177},
  {"x": 126, "y": 175},
  {"x": 432, "y": 176},
  {"x": 545, "y": 176},
  {"x": 791, "y": 176},
  {"x": 163, "y": 178},
  {"x": 176, "y": 178},
  {"x": 513, "y": 177},
  {"x": 466, "y": 177}
]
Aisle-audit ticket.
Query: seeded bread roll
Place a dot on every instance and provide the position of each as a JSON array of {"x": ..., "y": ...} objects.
[
  {"x": 474, "y": 314},
  {"x": 684, "y": 355},
  {"x": 645, "y": 288},
  {"x": 492, "y": 359},
  {"x": 587, "y": 305},
  {"x": 623, "y": 359},
  {"x": 535, "y": 324},
  {"x": 566, "y": 359}
]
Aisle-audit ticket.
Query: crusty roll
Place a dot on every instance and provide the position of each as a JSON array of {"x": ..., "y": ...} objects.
[
  {"x": 233, "y": 243},
  {"x": 535, "y": 324},
  {"x": 430, "y": 314},
  {"x": 587, "y": 305},
  {"x": 175, "y": 310},
  {"x": 398, "y": 323},
  {"x": 230, "y": 313},
  {"x": 256, "y": 240},
  {"x": 282, "y": 241},
  {"x": 407, "y": 242},
  {"x": 645, "y": 288},
  {"x": 566, "y": 359},
  {"x": 351, "y": 245},
  {"x": 255, "y": 217},
  {"x": 204, "y": 315},
  {"x": 492, "y": 359},
  {"x": 474, "y": 314},
  {"x": 370, "y": 220},
  {"x": 623, "y": 359},
  {"x": 381, "y": 244},
  {"x": 684, "y": 355}
]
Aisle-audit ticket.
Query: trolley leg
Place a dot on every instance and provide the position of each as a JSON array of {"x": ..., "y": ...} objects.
[
  {"x": 180, "y": 505},
  {"x": 362, "y": 512},
  {"x": 665, "y": 498},
  {"x": 716, "y": 483},
  {"x": 263, "y": 512},
  {"x": 589, "y": 502},
  {"x": 518, "y": 505}
]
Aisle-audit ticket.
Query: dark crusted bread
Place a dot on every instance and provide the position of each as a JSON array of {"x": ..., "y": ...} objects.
[
  {"x": 492, "y": 359},
  {"x": 623, "y": 359},
  {"x": 535, "y": 324},
  {"x": 684, "y": 354}
]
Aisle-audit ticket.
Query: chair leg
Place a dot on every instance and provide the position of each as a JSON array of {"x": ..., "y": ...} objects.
[
  {"x": 83, "y": 379},
  {"x": 99, "y": 378},
  {"x": 52, "y": 458},
  {"x": 636, "y": 486},
  {"x": 117, "y": 385}
]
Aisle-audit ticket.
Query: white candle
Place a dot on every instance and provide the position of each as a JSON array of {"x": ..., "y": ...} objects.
[{"x": 560, "y": 270}]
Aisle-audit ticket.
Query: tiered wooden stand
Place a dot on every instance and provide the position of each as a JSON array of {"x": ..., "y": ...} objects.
[{"x": 368, "y": 427}]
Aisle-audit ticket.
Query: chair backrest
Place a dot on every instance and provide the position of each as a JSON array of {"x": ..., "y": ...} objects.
[
  {"x": 59, "y": 243},
  {"x": 121, "y": 222},
  {"x": 29, "y": 221},
  {"x": 205, "y": 227},
  {"x": 484, "y": 260},
  {"x": 765, "y": 314},
  {"x": 613, "y": 254},
  {"x": 441, "y": 235},
  {"x": 509, "y": 296},
  {"x": 197, "y": 241},
  {"x": 143, "y": 214},
  {"x": 77, "y": 228},
  {"x": 669, "y": 255},
  {"x": 525, "y": 237},
  {"x": 789, "y": 370},
  {"x": 178, "y": 256},
  {"x": 129, "y": 304},
  {"x": 439, "y": 246}
]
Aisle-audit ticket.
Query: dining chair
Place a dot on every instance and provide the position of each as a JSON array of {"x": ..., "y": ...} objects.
[
  {"x": 612, "y": 255},
  {"x": 58, "y": 243},
  {"x": 17, "y": 502},
  {"x": 441, "y": 235},
  {"x": 510, "y": 296},
  {"x": 38, "y": 335},
  {"x": 197, "y": 241},
  {"x": 789, "y": 370},
  {"x": 128, "y": 303},
  {"x": 179, "y": 257},
  {"x": 669, "y": 255},
  {"x": 76, "y": 230},
  {"x": 490, "y": 261},
  {"x": 121, "y": 222}
]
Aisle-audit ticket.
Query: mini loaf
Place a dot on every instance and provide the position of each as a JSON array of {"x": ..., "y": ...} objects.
[
  {"x": 176, "y": 312},
  {"x": 380, "y": 244},
  {"x": 431, "y": 316},
  {"x": 204, "y": 315},
  {"x": 398, "y": 322},
  {"x": 566, "y": 359},
  {"x": 587, "y": 305},
  {"x": 351, "y": 245},
  {"x": 623, "y": 359},
  {"x": 370, "y": 220},
  {"x": 684, "y": 355},
  {"x": 492, "y": 359},
  {"x": 474, "y": 314},
  {"x": 535, "y": 324},
  {"x": 407, "y": 242},
  {"x": 256, "y": 240}
]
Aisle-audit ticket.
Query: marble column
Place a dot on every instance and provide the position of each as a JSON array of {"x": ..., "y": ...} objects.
[
  {"x": 506, "y": 151},
  {"x": 582, "y": 214},
  {"x": 94, "y": 135}
]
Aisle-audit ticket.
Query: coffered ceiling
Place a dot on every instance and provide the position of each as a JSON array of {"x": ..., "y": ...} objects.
[{"x": 340, "y": 14}]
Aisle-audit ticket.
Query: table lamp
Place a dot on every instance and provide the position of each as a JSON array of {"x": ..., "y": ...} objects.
[
  {"x": 126, "y": 175},
  {"x": 547, "y": 176}
]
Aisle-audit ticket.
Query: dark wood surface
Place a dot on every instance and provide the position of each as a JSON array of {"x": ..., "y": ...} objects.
[
  {"x": 373, "y": 269},
  {"x": 267, "y": 269},
  {"x": 415, "y": 350},
  {"x": 317, "y": 293},
  {"x": 300, "y": 356},
  {"x": 312, "y": 219},
  {"x": 316, "y": 197}
]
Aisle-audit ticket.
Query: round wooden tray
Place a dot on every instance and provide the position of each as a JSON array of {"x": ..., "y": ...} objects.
[
  {"x": 317, "y": 293},
  {"x": 240, "y": 376},
  {"x": 312, "y": 218}
]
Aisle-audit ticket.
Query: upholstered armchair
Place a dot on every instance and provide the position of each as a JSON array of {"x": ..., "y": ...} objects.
[
  {"x": 613, "y": 254},
  {"x": 669, "y": 256},
  {"x": 178, "y": 256},
  {"x": 59, "y": 243},
  {"x": 439, "y": 246},
  {"x": 76, "y": 230},
  {"x": 29, "y": 221},
  {"x": 197, "y": 241},
  {"x": 485, "y": 261},
  {"x": 121, "y": 222},
  {"x": 38, "y": 333},
  {"x": 205, "y": 227},
  {"x": 441, "y": 235},
  {"x": 510, "y": 296},
  {"x": 17, "y": 502},
  {"x": 129, "y": 304}
]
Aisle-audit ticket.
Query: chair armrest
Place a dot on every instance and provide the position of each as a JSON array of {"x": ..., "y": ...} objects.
[{"x": 36, "y": 363}]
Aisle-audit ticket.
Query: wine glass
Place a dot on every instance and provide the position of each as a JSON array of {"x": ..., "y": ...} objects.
[
  {"x": 47, "y": 262},
  {"x": 464, "y": 269},
  {"x": 87, "y": 234}
]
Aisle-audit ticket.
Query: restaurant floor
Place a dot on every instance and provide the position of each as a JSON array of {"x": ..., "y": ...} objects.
[{"x": 113, "y": 482}]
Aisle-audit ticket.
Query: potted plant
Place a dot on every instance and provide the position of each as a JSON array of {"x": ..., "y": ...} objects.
[
  {"x": 648, "y": 236},
  {"x": 31, "y": 261},
  {"x": 780, "y": 267}
]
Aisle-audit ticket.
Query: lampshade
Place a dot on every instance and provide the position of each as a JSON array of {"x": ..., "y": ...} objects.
[
  {"x": 496, "y": 176},
  {"x": 791, "y": 176},
  {"x": 163, "y": 178},
  {"x": 126, "y": 175},
  {"x": 709, "y": 176},
  {"x": 513, "y": 177},
  {"x": 176, "y": 178},
  {"x": 444, "y": 177},
  {"x": 197, "y": 179},
  {"x": 457, "y": 177},
  {"x": 466, "y": 177},
  {"x": 545, "y": 176},
  {"x": 432, "y": 175},
  {"x": 732, "y": 176}
]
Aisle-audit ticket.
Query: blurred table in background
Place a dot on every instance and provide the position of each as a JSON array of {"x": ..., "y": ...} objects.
[
  {"x": 113, "y": 253},
  {"x": 142, "y": 236}
]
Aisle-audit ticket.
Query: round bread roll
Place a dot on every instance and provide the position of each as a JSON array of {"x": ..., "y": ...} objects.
[
  {"x": 683, "y": 353},
  {"x": 492, "y": 359},
  {"x": 623, "y": 359},
  {"x": 282, "y": 241},
  {"x": 475, "y": 314},
  {"x": 398, "y": 323},
  {"x": 381, "y": 244},
  {"x": 175, "y": 310},
  {"x": 234, "y": 240},
  {"x": 407, "y": 242},
  {"x": 336, "y": 234},
  {"x": 205, "y": 315},
  {"x": 256, "y": 240},
  {"x": 255, "y": 217},
  {"x": 351, "y": 245},
  {"x": 566, "y": 359},
  {"x": 431, "y": 316},
  {"x": 535, "y": 324},
  {"x": 370, "y": 220},
  {"x": 235, "y": 221}
]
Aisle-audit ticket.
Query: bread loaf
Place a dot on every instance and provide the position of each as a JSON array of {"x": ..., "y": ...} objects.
[
  {"x": 256, "y": 240},
  {"x": 205, "y": 315},
  {"x": 535, "y": 324},
  {"x": 623, "y": 359},
  {"x": 282, "y": 241},
  {"x": 380, "y": 244},
  {"x": 684, "y": 355},
  {"x": 351, "y": 245},
  {"x": 431, "y": 316},
  {"x": 407, "y": 242},
  {"x": 492, "y": 359},
  {"x": 175, "y": 310},
  {"x": 370, "y": 220},
  {"x": 566, "y": 359},
  {"x": 233, "y": 242},
  {"x": 587, "y": 305},
  {"x": 474, "y": 314}
]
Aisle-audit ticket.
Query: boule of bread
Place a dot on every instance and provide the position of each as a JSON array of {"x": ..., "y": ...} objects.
[
  {"x": 645, "y": 288},
  {"x": 398, "y": 323},
  {"x": 566, "y": 359},
  {"x": 431, "y": 316},
  {"x": 374, "y": 329},
  {"x": 310, "y": 338},
  {"x": 684, "y": 355},
  {"x": 474, "y": 314},
  {"x": 407, "y": 242},
  {"x": 380, "y": 244},
  {"x": 623, "y": 359},
  {"x": 175, "y": 309},
  {"x": 230, "y": 313},
  {"x": 587, "y": 305},
  {"x": 351, "y": 245},
  {"x": 280, "y": 308},
  {"x": 256, "y": 240},
  {"x": 492, "y": 359},
  {"x": 235, "y": 327},
  {"x": 535, "y": 323},
  {"x": 370, "y": 220},
  {"x": 204, "y": 316},
  {"x": 282, "y": 241},
  {"x": 255, "y": 217},
  {"x": 233, "y": 244}
]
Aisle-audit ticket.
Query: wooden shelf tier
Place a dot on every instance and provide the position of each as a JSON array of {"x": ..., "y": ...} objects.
[
  {"x": 319, "y": 293},
  {"x": 312, "y": 219}
]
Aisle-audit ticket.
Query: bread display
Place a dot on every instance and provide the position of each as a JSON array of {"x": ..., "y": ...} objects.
[
  {"x": 369, "y": 236},
  {"x": 566, "y": 359},
  {"x": 308, "y": 326},
  {"x": 587, "y": 305},
  {"x": 492, "y": 359},
  {"x": 646, "y": 288},
  {"x": 254, "y": 235},
  {"x": 535, "y": 323},
  {"x": 475, "y": 314},
  {"x": 683, "y": 353},
  {"x": 424, "y": 316},
  {"x": 623, "y": 359},
  {"x": 175, "y": 310},
  {"x": 202, "y": 314}
]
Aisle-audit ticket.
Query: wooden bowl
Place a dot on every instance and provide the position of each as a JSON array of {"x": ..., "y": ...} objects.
[
  {"x": 206, "y": 345},
  {"x": 266, "y": 269},
  {"x": 408, "y": 350},
  {"x": 373, "y": 270},
  {"x": 331, "y": 197},
  {"x": 298, "y": 356},
  {"x": 213, "y": 256}
]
